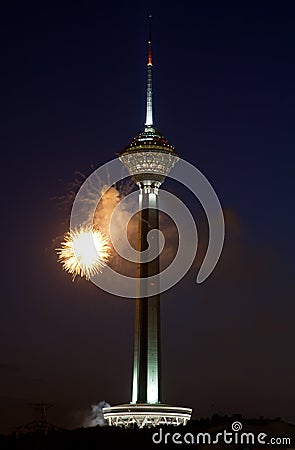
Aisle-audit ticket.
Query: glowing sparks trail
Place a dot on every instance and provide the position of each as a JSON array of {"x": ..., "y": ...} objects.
[{"x": 84, "y": 251}]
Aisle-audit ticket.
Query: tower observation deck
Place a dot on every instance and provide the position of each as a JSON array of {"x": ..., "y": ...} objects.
[{"x": 149, "y": 159}]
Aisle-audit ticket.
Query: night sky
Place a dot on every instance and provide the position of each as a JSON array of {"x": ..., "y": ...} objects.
[{"x": 72, "y": 91}]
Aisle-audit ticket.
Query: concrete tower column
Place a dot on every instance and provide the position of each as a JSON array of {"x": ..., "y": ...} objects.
[{"x": 146, "y": 386}]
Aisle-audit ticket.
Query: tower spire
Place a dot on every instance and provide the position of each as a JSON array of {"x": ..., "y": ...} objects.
[{"x": 149, "y": 93}]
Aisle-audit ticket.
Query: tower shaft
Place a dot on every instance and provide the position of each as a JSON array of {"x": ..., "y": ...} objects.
[{"x": 146, "y": 366}]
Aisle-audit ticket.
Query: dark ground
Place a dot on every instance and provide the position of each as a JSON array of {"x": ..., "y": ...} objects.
[{"x": 99, "y": 437}]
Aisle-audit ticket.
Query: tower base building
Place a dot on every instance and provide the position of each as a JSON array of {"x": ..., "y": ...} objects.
[{"x": 146, "y": 415}]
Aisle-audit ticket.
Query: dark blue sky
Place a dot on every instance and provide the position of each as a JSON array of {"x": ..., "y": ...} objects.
[{"x": 73, "y": 80}]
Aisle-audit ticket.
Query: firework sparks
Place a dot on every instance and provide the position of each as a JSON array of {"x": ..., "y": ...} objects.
[{"x": 84, "y": 251}]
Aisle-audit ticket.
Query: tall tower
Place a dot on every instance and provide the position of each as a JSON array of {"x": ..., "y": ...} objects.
[{"x": 149, "y": 159}]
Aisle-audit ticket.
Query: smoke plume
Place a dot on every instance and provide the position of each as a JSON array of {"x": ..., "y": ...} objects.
[{"x": 96, "y": 417}]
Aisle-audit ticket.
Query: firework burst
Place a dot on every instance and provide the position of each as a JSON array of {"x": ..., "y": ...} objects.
[{"x": 84, "y": 252}]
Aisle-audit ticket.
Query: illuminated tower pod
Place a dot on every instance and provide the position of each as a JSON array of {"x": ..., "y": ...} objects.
[{"x": 149, "y": 158}]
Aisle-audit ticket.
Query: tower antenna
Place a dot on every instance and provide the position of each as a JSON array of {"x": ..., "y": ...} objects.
[{"x": 149, "y": 91}]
